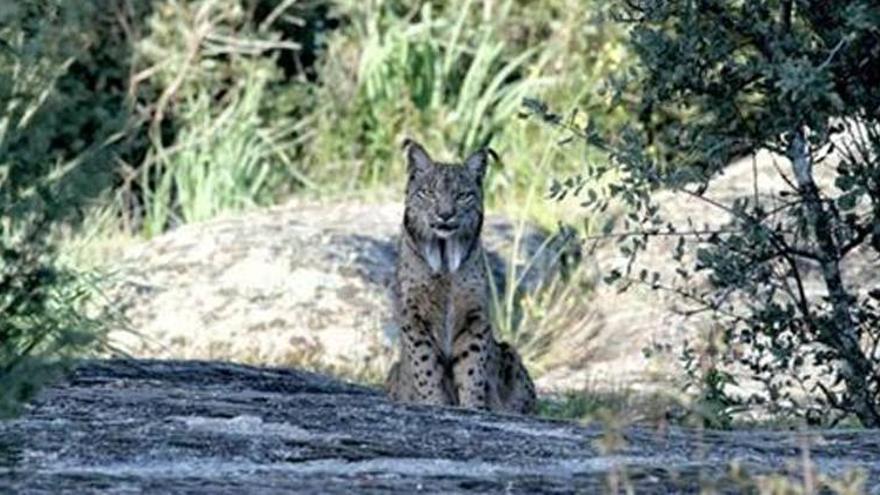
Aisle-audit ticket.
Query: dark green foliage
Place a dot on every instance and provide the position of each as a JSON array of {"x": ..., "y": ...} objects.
[
  {"x": 43, "y": 326},
  {"x": 62, "y": 89},
  {"x": 718, "y": 79},
  {"x": 55, "y": 130}
]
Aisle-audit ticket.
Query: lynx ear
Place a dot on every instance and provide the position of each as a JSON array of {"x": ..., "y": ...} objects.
[
  {"x": 478, "y": 161},
  {"x": 417, "y": 159}
]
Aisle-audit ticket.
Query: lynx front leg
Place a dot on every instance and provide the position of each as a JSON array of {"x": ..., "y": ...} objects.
[
  {"x": 426, "y": 380},
  {"x": 471, "y": 366}
]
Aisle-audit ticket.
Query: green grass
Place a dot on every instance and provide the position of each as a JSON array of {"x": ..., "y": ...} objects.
[
  {"x": 603, "y": 403},
  {"x": 454, "y": 78},
  {"x": 46, "y": 323},
  {"x": 221, "y": 161}
]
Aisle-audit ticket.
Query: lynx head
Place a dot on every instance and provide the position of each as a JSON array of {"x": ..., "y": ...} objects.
[{"x": 444, "y": 206}]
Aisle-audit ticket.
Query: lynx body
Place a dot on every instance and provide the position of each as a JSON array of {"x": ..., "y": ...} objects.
[{"x": 448, "y": 353}]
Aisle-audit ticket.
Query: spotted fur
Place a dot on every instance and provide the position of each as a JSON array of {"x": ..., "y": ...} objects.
[{"x": 448, "y": 353}]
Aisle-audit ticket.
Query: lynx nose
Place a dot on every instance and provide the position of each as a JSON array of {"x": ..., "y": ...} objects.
[{"x": 445, "y": 214}]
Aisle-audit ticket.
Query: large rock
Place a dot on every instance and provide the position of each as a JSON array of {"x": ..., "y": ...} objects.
[
  {"x": 303, "y": 284},
  {"x": 201, "y": 427}
]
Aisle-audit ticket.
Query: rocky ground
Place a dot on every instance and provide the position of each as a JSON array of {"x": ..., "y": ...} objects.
[{"x": 206, "y": 427}]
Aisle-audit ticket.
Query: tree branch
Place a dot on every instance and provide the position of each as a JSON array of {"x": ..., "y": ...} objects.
[{"x": 843, "y": 336}]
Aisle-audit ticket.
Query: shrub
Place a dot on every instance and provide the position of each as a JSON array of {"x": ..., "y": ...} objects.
[
  {"x": 717, "y": 79},
  {"x": 46, "y": 153},
  {"x": 44, "y": 326}
]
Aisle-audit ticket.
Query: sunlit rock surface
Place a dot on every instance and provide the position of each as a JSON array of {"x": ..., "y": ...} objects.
[{"x": 303, "y": 284}]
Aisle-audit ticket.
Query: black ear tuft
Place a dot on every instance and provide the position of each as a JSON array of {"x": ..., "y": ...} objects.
[
  {"x": 417, "y": 159},
  {"x": 494, "y": 155},
  {"x": 478, "y": 161}
]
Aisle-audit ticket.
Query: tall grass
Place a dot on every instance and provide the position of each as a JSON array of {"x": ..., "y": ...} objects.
[
  {"x": 219, "y": 140},
  {"x": 222, "y": 160},
  {"x": 447, "y": 75},
  {"x": 453, "y": 76},
  {"x": 537, "y": 318},
  {"x": 44, "y": 323},
  {"x": 223, "y": 122}
]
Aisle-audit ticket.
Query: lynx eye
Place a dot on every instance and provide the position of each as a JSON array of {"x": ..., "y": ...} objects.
[
  {"x": 467, "y": 197},
  {"x": 423, "y": 194}
]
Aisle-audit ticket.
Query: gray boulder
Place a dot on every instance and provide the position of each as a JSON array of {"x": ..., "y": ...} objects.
[{"x": 304, "y": 284}]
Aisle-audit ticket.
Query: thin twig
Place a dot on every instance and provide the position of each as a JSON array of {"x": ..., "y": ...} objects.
[
  {"x": 274, "y": 15},
  {"x": 833, "y": 53}
]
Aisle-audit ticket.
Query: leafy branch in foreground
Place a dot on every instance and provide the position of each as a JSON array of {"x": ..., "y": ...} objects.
[
  {"x": 43, "y": 325},
  {"x": 798, "y": 333}
]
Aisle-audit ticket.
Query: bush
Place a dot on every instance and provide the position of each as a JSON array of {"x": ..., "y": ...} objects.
[
  {"x": 50, "y": 142},
  {"x": 44, "y": 327},
  {"x": 717, "y": 79}
]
